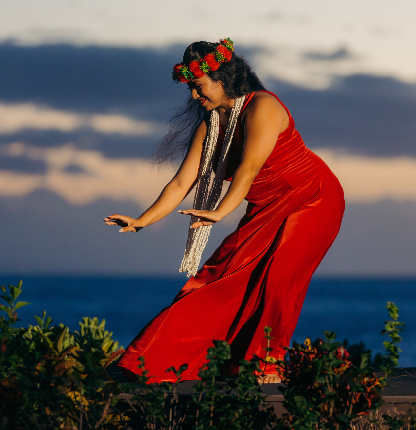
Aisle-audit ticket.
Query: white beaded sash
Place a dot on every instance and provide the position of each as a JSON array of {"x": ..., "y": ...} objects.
[{"x": 207, "y": 198}]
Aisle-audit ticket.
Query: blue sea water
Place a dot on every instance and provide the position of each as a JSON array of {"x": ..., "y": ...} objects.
[{"x": 353, "y": 308}]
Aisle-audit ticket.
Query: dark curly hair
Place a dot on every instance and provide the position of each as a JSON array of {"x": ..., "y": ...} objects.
[{"x": 238, "y": 79}]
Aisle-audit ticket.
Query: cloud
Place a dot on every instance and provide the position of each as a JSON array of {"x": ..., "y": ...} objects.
[
  {"x": 365, "y": 114},
  {"x": 45, "y": 234},
  {"x": 15, "y": 117},
  {"x": 338, "y": 54},
  {"x": 112, "y": 145},
  {"x": 312, "y": 69},
  {"x": 373, "y": 179},
  {"x": 133, "y": 82},
  {"x": 23, "y": 165},
  {"x": 82, "y": 177},
  {"x": 375, "y": 239}
]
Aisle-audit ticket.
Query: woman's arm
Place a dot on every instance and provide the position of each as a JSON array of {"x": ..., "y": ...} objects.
[
  {"x": 174, "y": 192},
  {"x": 265, "y": 118}
]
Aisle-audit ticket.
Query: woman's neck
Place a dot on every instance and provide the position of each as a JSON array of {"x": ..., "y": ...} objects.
[{"x": 225, "y": 111}]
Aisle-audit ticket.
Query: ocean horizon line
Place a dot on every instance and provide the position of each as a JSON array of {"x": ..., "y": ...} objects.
[{"x": 175, "y": 275}]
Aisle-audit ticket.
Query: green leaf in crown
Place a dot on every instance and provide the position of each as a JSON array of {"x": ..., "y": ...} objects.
[
  {"x": 204, "y": 66},
  {"x": 228, "y": 43}
]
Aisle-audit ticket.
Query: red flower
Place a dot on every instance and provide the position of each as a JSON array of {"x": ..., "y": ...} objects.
[
  {"x": 177, "y": 73},
  {"x": 194, "y": 68},
  {"x": 225, "y": 52},
  {"x": 183, "y": 79},
  {"x": 342, "y": 353},
  {"x": 212, "y": 62},
  {"x": 177, "y": 69}
]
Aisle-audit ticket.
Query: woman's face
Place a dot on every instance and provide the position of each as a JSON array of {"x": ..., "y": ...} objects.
[{"x": 209, "y": 93}]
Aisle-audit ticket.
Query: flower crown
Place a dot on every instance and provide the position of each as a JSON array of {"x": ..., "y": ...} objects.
[{"x": 212, "y": 61}]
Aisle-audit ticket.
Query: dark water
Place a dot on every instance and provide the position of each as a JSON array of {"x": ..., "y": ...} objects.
[{"x": 353, "y": 308}]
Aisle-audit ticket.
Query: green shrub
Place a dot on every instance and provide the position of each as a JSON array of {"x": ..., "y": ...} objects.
[{"x": 51, "y": 378}]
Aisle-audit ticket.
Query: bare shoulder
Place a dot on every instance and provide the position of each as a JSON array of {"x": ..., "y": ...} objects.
[
  {"x": 265, "y": 104},
  {"x": 265, "y": 108}
]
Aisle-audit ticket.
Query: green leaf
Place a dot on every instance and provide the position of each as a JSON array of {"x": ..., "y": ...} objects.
[
  {"x": 60, "y": 338},
  {"x": 48, "y": 322},
  {"x": 20, "y": 304},
  {"x": 14, "y": 292},
  {"x": 393, "y": 310},
  {"x": 7, "y": 299},
  {"x": 329, "y": 336},
  {"x": 4, "y": 308},
  {"x": 39, "y": 321},
  {"x": 47, "y": 340}
]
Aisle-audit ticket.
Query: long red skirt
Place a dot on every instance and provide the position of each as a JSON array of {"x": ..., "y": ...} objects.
[{"x": 257, "y": 277}]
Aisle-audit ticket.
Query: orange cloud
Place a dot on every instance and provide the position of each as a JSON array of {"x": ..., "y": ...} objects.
[
  {"x": 15, "y": 117},
  {"x": 364, "y": 179}
]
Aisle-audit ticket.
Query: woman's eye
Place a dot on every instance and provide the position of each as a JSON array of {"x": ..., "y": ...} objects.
[{"x": 194, "y": 87}]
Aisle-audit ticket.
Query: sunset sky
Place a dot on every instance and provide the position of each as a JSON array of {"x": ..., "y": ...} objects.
[{"x": 86, "y": 92}]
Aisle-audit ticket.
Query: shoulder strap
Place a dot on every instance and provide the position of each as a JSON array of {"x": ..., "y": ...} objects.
[{"x": 247, "y": 101}]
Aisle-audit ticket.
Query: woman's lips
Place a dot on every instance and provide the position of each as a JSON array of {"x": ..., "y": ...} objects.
[{"x": 202, "y": 101}]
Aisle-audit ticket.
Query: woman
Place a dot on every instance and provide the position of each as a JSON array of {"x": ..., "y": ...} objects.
[{"x": 260, "y": 273}]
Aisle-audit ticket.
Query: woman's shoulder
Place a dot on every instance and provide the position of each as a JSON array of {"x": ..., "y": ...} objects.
[
  {"x": 264, "y": 102},
  {"x": 265, "y": 99}
]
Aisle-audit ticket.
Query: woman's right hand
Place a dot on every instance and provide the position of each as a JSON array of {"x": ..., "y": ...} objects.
[{"x": 126, "y": 223}]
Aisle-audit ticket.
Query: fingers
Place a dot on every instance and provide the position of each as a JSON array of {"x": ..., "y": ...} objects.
[
  {"x": 127, "y": 230},
  {"x": 125, "y": 222},
  {"x": 114, "y": 216},
  {"x": 130, "y": 229},
  {"x": 188, "y": 211},
  {"x": 116, "y": 219},
  {"x": 201, "y": 223},
  {"x": 194, "y": 212}
]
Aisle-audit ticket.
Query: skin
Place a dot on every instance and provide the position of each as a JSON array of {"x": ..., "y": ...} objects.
[
  {"x": 264, "y": 119},
  {"x": 269, "y": 379}
]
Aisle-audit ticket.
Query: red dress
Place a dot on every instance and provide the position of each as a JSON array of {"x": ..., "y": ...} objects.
[{"x": 260, "y": 273}]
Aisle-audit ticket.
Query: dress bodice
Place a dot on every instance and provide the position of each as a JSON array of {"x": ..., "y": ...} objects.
[{"x": 285, "y": 167}]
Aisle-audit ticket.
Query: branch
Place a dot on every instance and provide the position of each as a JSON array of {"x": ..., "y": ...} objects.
[{"x": 107, "y": 405}]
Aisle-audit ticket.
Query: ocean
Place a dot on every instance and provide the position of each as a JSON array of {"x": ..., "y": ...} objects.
[{"x": 353, "y": 308}]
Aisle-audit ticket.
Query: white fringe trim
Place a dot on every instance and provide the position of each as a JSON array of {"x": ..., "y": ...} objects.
[{"x": 206, "y": 198}]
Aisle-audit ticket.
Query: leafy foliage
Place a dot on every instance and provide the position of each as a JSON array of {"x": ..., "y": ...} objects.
[
  {"x": 228, "y": 402},
  {"x": 51, "y": 378},
  {"x": 392, "y": 328},
  {"x": 324, "y": 388}
]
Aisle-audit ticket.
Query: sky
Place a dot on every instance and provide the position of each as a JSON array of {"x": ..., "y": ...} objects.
[{"x": 86, "y": 93}]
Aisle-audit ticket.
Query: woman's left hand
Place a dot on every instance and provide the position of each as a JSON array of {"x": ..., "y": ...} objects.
[{"x": 205, "y": 217}]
